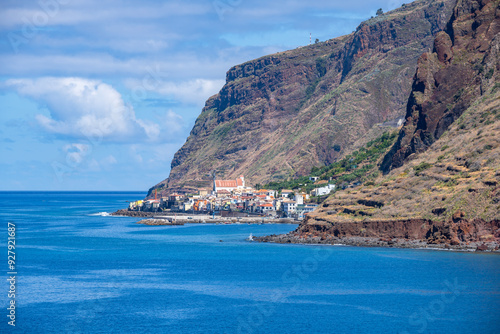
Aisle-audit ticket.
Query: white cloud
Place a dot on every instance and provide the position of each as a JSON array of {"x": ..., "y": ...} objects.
[
  {"x": 149, "y": 156},
  {"x": 93, "y": 166},
  {"x": 88, "y": 109},
  {"x": 109, "y": 160},
  {"x": 174, "y": 122},
  {"x": 76, "y": 153},
  {"x": 194, "y": 92},
  {"x": 176, "y": 67},
  {"x": 84, "y": 12},
  {"x": 133, "y": 153}
]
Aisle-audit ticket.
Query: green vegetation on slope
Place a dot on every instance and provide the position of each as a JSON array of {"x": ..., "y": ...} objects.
[{"x": 360, "y": 166}]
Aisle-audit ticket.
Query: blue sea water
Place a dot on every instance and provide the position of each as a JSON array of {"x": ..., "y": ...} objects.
[{"x": 78, "y": 272}]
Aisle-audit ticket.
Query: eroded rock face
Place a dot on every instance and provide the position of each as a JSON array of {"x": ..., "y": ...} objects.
[
  {"x": 449, "y": 79},
  {"x": 282, "y": 114},
  {"x": 453, "y": 177},
  {"x": 442, "y": 46},
  {"x": 452, "y": 232},
  {"x": 414, "y": 233}
]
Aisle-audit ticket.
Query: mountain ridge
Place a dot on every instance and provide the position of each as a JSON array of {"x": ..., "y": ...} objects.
[
  {"x": 445, "y": 191},
  {"x": 280, "y": 115}
]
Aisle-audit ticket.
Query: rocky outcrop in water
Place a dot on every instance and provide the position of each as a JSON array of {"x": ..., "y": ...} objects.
[{"x": 159, "y": 222}]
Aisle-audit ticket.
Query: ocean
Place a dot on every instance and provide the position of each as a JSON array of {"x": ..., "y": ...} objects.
[{"x": 79, "y": 270}]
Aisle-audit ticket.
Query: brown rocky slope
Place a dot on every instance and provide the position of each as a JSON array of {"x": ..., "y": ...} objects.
[
  {"x": 450, "y": 78},
  {"x": 279, "y": 115},
  {"x": 442, "y": 185}
]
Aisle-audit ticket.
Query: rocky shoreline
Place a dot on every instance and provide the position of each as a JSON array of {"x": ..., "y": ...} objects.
[
  {"x": 128, "y": 213},
  {"x": 295, "y": 238},
  {"x": 457, "y": 233}
]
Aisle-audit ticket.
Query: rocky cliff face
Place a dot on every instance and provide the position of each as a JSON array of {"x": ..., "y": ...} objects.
[
  {"x": 443, "y": 181},
  {"x": 475, "y": 235},
  {"x": 448, "y": 79},
  {"x": 280, "y": 115}
]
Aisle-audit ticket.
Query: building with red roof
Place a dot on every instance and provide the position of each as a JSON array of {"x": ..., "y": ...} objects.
[{"x": 229, "y": 185}]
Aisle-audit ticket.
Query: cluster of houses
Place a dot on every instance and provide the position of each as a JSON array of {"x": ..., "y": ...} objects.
[{"x": 234, "y": 197}]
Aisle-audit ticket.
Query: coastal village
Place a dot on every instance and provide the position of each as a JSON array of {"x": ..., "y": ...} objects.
[{"x": 233, "y": 198}]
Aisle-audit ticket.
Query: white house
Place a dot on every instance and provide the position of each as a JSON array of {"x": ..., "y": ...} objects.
[
  {"x": 299, "y": 198},
  {"x": 137, "y": 205},
  {"x": 305, "y": 208},
  {"x": 266, "y": 207},
  {"x": 271, "y": 193},
  {"x": 152, "y": 204},
  {"x": 289, "y": 207},
  {"x": 188, "y": 205},
  {"x": 278, "y": 204},
  {"x": 323, "y": 190}
]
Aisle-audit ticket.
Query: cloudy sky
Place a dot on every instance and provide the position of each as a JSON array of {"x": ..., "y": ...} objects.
[{"x": 99, "y": 95}]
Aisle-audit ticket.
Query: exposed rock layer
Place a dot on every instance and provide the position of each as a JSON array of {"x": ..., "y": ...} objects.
[
  {"x": 449, "y": 79},
  {"x": 453, "y": 232},
  {"x": 476, "y": 235}
]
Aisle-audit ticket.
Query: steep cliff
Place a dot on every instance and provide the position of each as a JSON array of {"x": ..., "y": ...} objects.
[
  {"x": 448, "y": 79},
  {"x": 443, "y": 181},
  {"x": 282, "y": 114}
]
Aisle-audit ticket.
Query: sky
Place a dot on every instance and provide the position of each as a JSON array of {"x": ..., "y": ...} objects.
[{"x": 99, "y": 95}]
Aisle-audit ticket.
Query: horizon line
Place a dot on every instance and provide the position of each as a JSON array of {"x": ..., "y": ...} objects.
[{"x": 145, "y": 191}]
